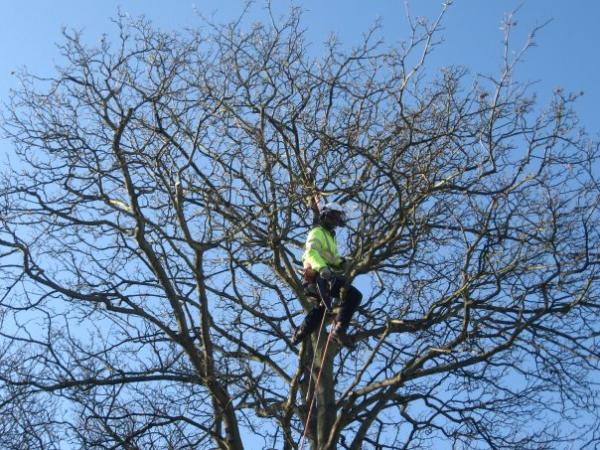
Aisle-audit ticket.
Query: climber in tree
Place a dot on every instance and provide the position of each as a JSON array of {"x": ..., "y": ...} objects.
[{"x": 322, "y": 277}]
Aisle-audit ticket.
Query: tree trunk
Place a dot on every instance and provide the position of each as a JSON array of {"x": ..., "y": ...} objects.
[{"x": 324, "y": 411}]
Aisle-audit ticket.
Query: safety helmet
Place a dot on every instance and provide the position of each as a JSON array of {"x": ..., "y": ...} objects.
[
  {"x": 334, "y": 209},
  {"x": 333, "y": 206}
]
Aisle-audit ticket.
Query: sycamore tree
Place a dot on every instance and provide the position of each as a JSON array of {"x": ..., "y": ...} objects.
[{"x": 153, "y": 212}]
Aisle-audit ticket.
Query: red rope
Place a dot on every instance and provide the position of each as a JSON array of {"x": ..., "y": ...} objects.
[{"x": 312, "y": 403}]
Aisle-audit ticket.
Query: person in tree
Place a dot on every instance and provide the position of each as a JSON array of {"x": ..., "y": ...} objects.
[{"x": 323, "y": 267}]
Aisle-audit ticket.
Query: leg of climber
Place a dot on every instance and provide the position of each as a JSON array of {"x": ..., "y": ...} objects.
[
  {"x": 349, "y": 305},
  {"x": 319, "y": 290},
  {"x": 310, "y": 324}
]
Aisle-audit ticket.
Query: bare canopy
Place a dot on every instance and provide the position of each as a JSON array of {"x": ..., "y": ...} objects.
[{"x": 151, "y": 226}]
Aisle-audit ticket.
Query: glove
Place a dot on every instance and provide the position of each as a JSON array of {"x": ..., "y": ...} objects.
[{"x": 326, "y": 274}]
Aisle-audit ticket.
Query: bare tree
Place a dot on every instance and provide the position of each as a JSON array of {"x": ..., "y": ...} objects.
[{"x": 153, "y": 217}]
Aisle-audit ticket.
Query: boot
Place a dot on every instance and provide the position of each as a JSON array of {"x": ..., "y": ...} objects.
[{"x": 342, "y": 338}]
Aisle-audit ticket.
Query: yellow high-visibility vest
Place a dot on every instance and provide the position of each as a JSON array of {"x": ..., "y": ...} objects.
[{"x": 320, "y": 250}]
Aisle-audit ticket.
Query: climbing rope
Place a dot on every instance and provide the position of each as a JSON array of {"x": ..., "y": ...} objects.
[{"x": 312, "y": 403}]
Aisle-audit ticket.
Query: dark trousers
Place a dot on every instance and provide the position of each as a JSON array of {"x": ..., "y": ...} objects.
[{"x": 349, "y": 305}]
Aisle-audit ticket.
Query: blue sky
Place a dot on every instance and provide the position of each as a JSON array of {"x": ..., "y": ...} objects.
[{"x": 567, "y": 54}]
